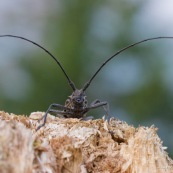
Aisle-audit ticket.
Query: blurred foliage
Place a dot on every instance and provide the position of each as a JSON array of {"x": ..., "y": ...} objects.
[{"x": 69, "y": 35}]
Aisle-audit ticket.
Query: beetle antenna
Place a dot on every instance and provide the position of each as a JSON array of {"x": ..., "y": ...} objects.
[
  {"x": 120, "y": 51},
  {"x": 63, "y": 70}
]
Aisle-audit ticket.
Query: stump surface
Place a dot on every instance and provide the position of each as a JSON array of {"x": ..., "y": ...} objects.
[{"x": 75, "y": 146}]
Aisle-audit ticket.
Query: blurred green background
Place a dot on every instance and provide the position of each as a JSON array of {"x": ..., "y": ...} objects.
[{"x": 82, "y": 35}]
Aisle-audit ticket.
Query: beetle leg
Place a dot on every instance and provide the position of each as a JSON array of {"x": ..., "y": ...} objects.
[
  {"x": 97, "y": 103},
  {"x": 44, "y": 117}
]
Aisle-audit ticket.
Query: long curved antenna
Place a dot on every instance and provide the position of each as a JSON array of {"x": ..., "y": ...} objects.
[
  {"x": 22, "y": 38},
  {"x": 120, "y": 51}
]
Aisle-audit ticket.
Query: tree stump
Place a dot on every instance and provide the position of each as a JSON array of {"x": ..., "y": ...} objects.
[{"x": 76, "y": 146}]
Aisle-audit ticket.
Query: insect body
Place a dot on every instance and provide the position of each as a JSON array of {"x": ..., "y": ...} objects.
[{"x": 76, "y": 105}]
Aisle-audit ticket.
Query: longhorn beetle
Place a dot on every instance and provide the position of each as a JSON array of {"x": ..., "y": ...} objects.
[{"x": 76, "y": 104}]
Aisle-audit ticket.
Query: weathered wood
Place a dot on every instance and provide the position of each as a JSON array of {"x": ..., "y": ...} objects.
[{"x": 74, "y": 146}]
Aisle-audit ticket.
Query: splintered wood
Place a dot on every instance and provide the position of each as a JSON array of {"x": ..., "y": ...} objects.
[{"x": 75, "y": 146}]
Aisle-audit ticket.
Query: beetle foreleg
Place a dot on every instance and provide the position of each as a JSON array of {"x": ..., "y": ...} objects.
[
  {"x": 97, "y": 103},
  {"x": 44, "y": 117}
]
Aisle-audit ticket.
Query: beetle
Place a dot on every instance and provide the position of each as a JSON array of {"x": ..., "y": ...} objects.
[{"x": 76, "y": 105}]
